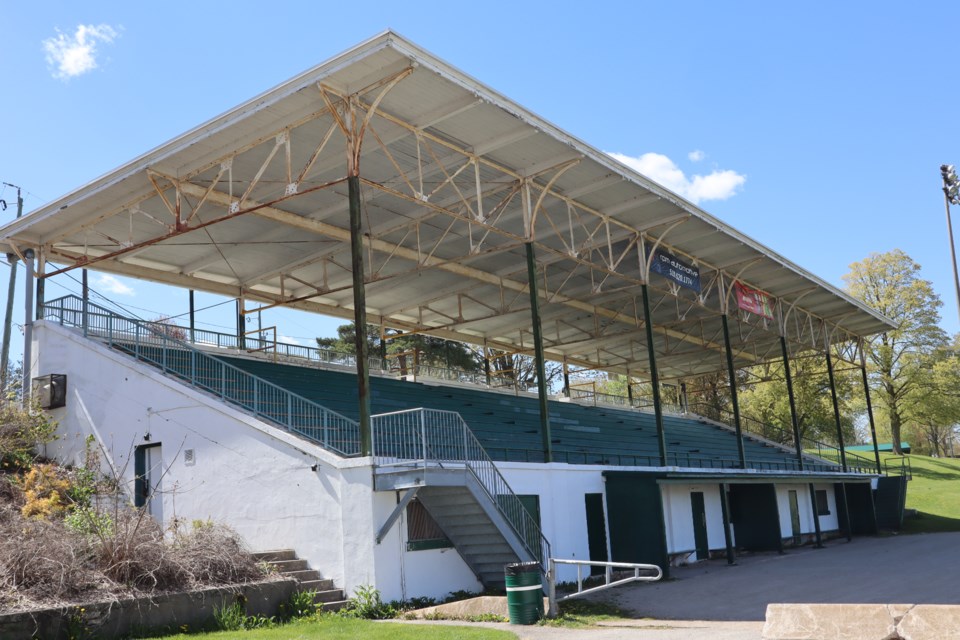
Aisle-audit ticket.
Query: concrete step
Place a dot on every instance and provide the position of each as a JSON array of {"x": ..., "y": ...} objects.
[
  {"x": 316, "y": 585},
  {"x": 286, "y": 566},
  {"x": 334, "y": 606},
  {"x": 333, "y": 595},
  {"x": 306, "y": 575},
  {"x": 274, "y": 555}
]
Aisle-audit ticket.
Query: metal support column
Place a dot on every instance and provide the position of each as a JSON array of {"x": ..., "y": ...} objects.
[
  {"x": 866, "y": 391},
  {"x": 566, "y": 379},
  {"x": 654, "y": 378},
  {"x": 8, "y": 317},
  {"x": 240, "y": 327},
  {"x": 542, "y": 389},
  {"x": 733, "y": 392},
  {"x": 836, "y": 412},
  {"x": 85, "y": 296},
  {"x": 360, "y": 313},
  {"x": 192, "y": 318},
  {"x": 486, "y": 364},
  {"x": 629, "y": 390},
  {"x": 793, "y": 404},
  {"x": 27, "y": 329},
  {"x": 727, "y": 537},
  {"x": 846, "y": 510},
  {"x": 816, "y": 516}
]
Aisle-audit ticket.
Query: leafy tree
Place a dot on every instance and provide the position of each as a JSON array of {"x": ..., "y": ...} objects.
[
  {"x": 767, "y": 401},
  {"x": 425, "y": 349},
  {"x": 518, "y": 369},
  {"x": 937, "y": 397},
  {"x": 898, "y": 358}
]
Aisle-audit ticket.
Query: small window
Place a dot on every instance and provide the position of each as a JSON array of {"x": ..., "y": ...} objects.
[
  {"x": 823, "y": 507},
  {"x": 423, "y": 532}
]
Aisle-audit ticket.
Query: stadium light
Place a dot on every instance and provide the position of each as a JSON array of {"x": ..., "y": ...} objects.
[{"x": 951, "y": 195}]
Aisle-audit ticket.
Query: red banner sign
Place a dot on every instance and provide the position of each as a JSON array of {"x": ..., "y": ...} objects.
[{"x": 754, "y": 301}]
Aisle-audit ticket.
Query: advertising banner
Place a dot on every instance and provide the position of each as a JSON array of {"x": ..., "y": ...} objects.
[
  {"x": 754, "y": 301},
  {"x": 673, "y": 268}
]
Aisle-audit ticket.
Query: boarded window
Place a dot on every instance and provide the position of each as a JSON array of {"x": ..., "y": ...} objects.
[
  {"x": 423, "y": 532},
  {"x": 823, "y": 507}
]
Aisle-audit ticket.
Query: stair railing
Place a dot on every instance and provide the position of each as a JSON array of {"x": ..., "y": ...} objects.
[
  {"x": 898, "y": 466},
  {"x": 163, "y": 346},
  {"x": 427, "y": 438},
  {"x": 784, "y": 438}
]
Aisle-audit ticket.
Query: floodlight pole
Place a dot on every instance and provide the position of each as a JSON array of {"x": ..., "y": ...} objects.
[{"x": 953, "y": 252}]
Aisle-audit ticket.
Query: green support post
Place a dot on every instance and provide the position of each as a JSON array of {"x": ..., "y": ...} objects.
[
  {"x": 193, "y": 326},
  {"x": 733, "y": 392},
  {"x": 793, "y": 406},
  {"x": 654, "y": 378},
  {"x": 727, "y": 538},
  {"x": 836, "y": 414},
  {"x": 8, "y": 317},
  {"x": 538, "y": 354},
  {"x": 816, "y": 516},
  {"x": 846, "y": 510},
  {"x": 873, "y": 427},
  {"x": 360, "y": 314}
]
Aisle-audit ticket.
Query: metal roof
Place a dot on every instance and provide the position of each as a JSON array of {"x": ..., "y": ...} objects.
[{"x": 456, "y": 177}]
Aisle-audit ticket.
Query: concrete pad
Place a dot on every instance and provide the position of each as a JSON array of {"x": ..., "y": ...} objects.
[
  {"x": 930, "y": 622},
  {"x": 830, "y": 622},
  {"x": 464, "y": 609}
]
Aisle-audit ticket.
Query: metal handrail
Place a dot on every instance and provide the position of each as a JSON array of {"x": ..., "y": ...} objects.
[
  {"x": 784, "y": 438},
  {"x": 427, "y": 438},
  {"x": 901, "y": 467},
  {"x": 608, "y": 581},
  {"x": 163, "y": 345}
]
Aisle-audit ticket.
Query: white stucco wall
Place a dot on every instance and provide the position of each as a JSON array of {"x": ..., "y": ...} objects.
[
  {"x": 678, "y": 517},
  {"x": 248, "y": 474},
  {"x": 827, "y": 522}
]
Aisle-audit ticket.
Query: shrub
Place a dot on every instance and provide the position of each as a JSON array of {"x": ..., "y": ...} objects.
[
  {"x": 213, "y": 553},
  {"x": 20, "y": 433},
  {"x": 366, "y": 603},
  {"x": 45, "y": 490}
]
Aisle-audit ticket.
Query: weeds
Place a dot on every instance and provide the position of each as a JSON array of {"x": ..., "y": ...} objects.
[
  {"x": 366, "y": 603},
  {"x": 300, "y": 604}
]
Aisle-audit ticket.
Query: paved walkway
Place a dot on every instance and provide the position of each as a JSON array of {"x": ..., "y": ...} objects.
[
  {"x": 915, "y": 569},
  {"x": 714, "y": 601}
]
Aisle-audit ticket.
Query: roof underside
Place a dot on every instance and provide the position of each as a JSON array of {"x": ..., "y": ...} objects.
[{"x": 455, "y": 179}]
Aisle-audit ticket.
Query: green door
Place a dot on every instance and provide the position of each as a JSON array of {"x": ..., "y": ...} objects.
[
  {"x": 596, "y": 530},
  {"x": 794, "y": 517},
  {"x": 699, "y": 525}
]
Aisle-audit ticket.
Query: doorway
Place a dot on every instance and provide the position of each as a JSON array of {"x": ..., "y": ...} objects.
[
  {"x": 699, "y": 525},
  {"x": 794, "y": 517},
  {"x": 148, "y": 470}
]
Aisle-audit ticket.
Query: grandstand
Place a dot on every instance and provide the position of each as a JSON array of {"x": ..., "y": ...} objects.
[{"x": 455, "y": 213}]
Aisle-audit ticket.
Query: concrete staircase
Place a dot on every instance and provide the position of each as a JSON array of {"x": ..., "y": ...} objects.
[
  {"x": 285, "y": 561},
  {"x": 470, "y": 528}
]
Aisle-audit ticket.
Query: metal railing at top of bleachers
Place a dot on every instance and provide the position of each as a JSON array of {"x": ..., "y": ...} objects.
[
  {"x": 431, "y": 438},
  {"x": 163, "y": 346},
  {"x": 784, "y": 438}
]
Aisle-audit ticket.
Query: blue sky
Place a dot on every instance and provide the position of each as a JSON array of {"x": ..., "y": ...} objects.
[{"x": 816, "y": 128}]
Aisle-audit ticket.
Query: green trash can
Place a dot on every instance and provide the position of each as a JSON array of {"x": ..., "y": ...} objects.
[{"x": 524, "y": 592}]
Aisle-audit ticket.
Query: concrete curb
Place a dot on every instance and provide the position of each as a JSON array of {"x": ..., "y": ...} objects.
[{"x": 861, "y": 622}]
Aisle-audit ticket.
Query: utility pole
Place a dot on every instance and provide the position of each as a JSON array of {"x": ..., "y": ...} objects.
[{"x": 8, "y": 317}]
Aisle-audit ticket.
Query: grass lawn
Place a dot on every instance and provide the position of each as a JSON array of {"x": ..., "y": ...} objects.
[
  {"x": 337, "y": 628},
  {"x": 935, "y": 493}
]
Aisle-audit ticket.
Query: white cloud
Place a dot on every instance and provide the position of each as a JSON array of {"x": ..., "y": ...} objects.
[
  {"x": 717, "y": 185},
  {"x": 288, "y": 340},
  {"x": 696, "y": 155},
  {"x": 73, "y": 55},
  {"x": 109, "y": 284}
]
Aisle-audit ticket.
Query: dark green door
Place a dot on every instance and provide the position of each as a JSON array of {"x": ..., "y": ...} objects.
[
  {"x": 699, "y": 525},
  {"x": 794, "y": 517},
  {"x": 596, "y": 530}
]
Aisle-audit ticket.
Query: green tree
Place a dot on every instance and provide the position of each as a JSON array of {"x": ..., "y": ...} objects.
[
  {"x": 766, "y": 400},
  {"x": 937, "y": 397},
  {"x": 898, "y": 359},
  {"x": 424, "y": 349}
]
